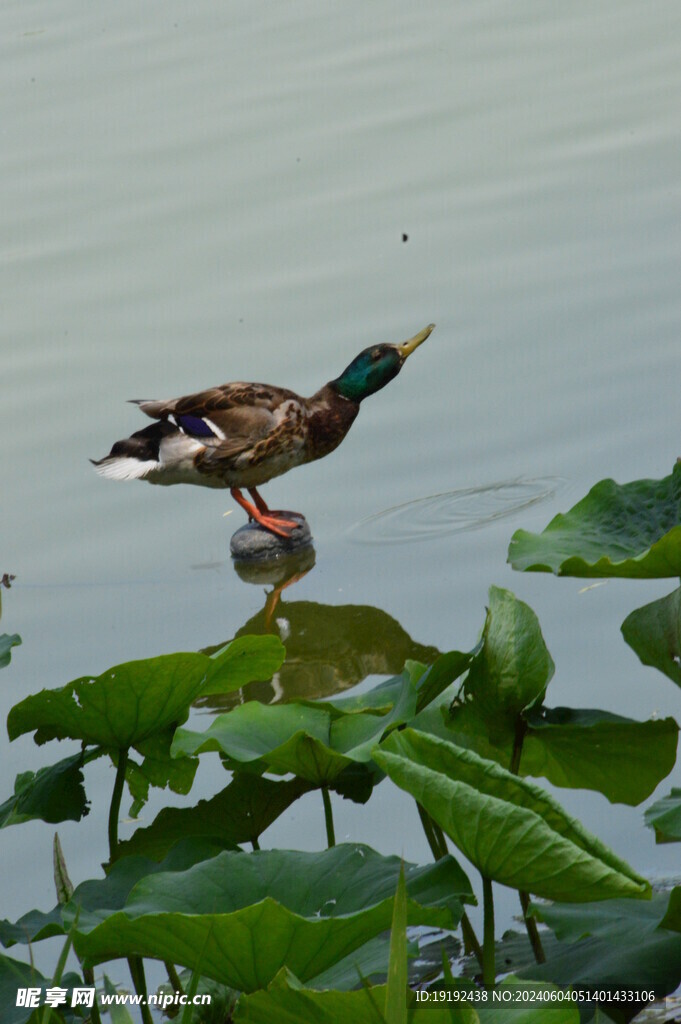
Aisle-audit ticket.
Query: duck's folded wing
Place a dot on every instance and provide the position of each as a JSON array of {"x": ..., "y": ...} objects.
[{"x": 227, "y": 420}]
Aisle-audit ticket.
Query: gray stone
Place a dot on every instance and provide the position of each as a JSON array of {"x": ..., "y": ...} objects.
[{"x": 253, "y": 542}]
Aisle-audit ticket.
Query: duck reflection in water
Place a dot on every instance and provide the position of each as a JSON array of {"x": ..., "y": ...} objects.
[{"x": 329, "y": 648}]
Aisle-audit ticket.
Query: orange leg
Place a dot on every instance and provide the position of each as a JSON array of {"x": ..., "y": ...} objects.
[
  {"x": 262, "y": 506},
  {"x": 260, "y": 502},
  {"x": 272, "y": 521}
]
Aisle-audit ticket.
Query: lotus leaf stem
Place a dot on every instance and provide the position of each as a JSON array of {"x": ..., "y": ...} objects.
[
  {"x": 115, "y": 808},
  {"x": 328, "y": 818},
  {"x": 136, "y": 965},
  {"x": 173, "y": 976},
  {"x": 488, "y": 966},
  {"x": 530, "y": 923}
]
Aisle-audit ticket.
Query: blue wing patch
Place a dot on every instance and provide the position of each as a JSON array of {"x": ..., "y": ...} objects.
[{"x": 194, "y": 426}]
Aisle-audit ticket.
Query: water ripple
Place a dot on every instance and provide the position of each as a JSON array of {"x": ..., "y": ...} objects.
[{"x": 454, "y": 511}]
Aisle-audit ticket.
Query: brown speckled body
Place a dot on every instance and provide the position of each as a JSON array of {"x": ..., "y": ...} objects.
[{"x": 260, "y": 432}]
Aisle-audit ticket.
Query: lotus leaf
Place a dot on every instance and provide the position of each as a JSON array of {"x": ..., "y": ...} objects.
[
  {"x": 509, "y": 828},
  {"x": 513, "y": 667},
  {"x": 239, "y": 917},
  {"x": 314, "y": 742},
  {"x": 124, "y": 705},
  {"x": 629, "y": 530}
]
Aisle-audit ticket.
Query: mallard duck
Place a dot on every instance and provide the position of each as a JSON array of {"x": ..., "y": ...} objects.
[{"x": 242, "y": 435}]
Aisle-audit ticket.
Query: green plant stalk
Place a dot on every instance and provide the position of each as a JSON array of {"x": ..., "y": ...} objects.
[
  {"x": 115, "y": 808},
  {"x": 328, "y": 818},
  {"x": 518, "y": 740},
  {"x": 89, "y": 979},
  {"x": 136, "y": 965},
  {"x": 173, "y": 976},
  {"x": 427, "y": 825},
  {"x": 530, "y": 923},
  {"x": 532, "y": 930},
  {"x": 439, "y": 837},
  {"x": 434, "y": 834},
  {"x": 438, "y": 848},
  {"x": 59, "y": 969},
  {"x": 488, "y": 965}
]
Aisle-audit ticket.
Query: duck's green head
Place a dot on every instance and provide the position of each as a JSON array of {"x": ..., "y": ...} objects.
[{"x": 375, "y": 367}]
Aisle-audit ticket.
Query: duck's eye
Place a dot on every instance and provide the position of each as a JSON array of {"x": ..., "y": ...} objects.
[{"x": 376, "y": 355}]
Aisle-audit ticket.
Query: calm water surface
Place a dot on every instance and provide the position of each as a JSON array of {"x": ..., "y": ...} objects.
[{"x": 197, "y": 193}]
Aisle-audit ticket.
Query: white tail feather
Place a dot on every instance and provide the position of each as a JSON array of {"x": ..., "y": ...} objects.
[{"x": 122, "y": 467}]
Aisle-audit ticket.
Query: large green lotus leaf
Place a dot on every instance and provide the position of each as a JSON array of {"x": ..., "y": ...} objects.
[
  {"x": 654, "y": 633},
  {"x": 53, "y": 794},
  {"x": 121, "y": 707},
  {"x": 616, "y": 530},
  {"x": 513, "y": 667},
  {"x": 281, "y": 738},
  {"x": 336, "y": 882},
  {"x": 575, "y": 748},
  {"x": 126, "y": 704},
  {"x": 240, "y": 813},
  {"x": 287, "y": 1002},
  {"x": 245, "y": 660},
  {"x": 7, "y": 642},
  {"x": 240, "y": 918},
  {"x": 510, "y": 829},
  {"x": 310, "y": 742},
  {"x": 665, "y": 817}
]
